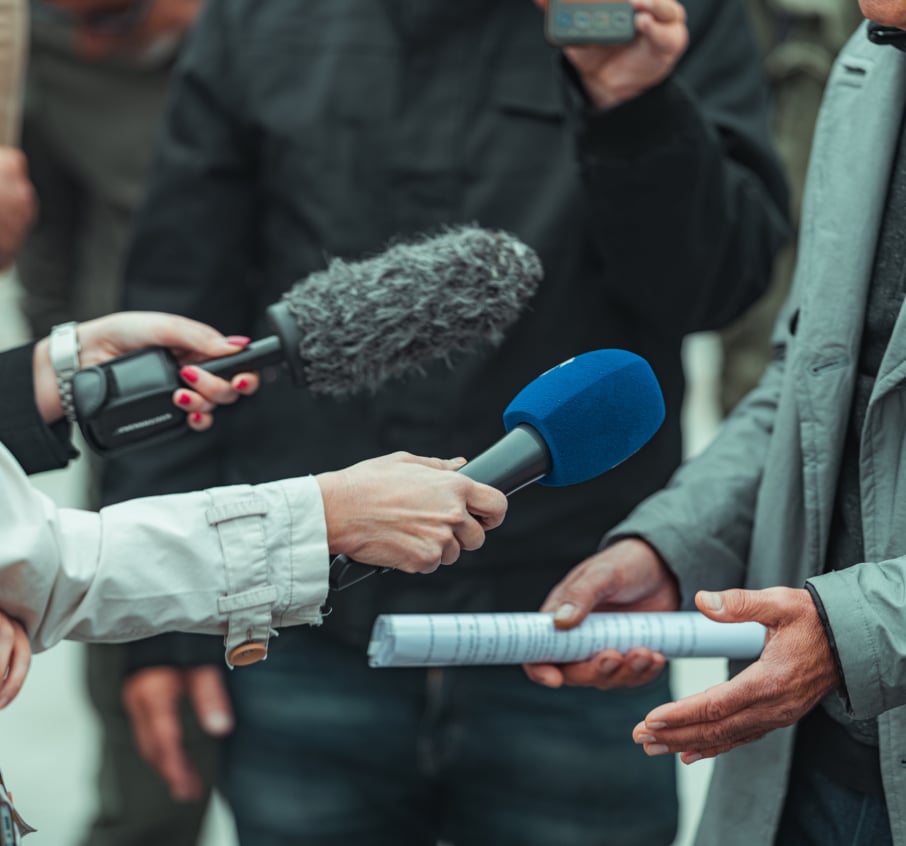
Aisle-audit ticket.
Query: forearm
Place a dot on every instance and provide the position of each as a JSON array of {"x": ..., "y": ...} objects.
[
  {"x": 160, "y": 564},
  {"x": 47, "y": 394},
  {"x": 701, "y": 523},
  {"x": 708, "y": 205},
  {"x": 696, "y": 154}
]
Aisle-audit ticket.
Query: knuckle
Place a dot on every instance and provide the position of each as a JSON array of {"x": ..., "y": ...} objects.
[
  {"x": 714, "y": 710},
  {"x": 785, "y": 715},
  {"x": 475, "y": 541},
  {"x": 455, "y": 513}
]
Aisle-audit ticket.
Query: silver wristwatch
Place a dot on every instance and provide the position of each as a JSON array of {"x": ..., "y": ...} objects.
[{"x": 64, "y": 356}]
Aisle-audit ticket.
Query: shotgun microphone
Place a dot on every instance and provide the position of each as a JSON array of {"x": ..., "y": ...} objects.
[
  {"x": 348, "y": 328},
  {"x": 569, "y": 425}
]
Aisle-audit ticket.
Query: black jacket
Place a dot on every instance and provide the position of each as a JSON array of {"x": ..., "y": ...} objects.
[
  {"x": 299, "y": 131},
  {"x": 33, "y": 444}
]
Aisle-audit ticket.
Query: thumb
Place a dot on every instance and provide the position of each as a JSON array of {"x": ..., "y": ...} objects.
[
  {"x": 572, "y": 600},
  {"x": 736, "y": 606},
  {"x": 210, "y": 700}
]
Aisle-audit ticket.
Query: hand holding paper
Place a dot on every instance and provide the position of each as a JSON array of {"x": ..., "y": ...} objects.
[{"x": 627, "y": 576}]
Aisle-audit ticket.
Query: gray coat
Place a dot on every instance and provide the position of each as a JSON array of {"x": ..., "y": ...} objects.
[{"x": 755, "y": 509}]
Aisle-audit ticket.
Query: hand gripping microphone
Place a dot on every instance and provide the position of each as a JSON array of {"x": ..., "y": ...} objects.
[
  {"x": 569, "y": 425},
  {"x": 348, "y": 328}
]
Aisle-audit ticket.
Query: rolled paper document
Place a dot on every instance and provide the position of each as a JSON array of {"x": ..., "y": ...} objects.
[{"x": 439, "y": 640}]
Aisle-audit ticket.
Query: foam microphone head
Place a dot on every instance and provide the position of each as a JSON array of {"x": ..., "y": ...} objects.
[
  {"x": 571, "y": 424},
  {"x": 363, "y": 323},
  {"x": 348, "y": 328},
  {"x": 593, "y": 412}
]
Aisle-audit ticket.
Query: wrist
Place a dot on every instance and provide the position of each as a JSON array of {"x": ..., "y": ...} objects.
[
  {"x": 603, "y": 96},
  {"x": 47, "y": 395},
  {"x": 335, "y": 495}
]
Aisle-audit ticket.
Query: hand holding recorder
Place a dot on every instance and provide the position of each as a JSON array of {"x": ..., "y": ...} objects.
[
  {"x": 615, "y": 61},
  {"x": 349, "y": 328}
]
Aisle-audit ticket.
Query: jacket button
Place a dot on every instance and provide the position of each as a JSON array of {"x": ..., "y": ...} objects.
[{"x": 248, "y": 653}]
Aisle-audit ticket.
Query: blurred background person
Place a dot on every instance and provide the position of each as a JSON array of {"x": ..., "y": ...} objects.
[
  {"x": 301, "y": 131},
  {"x": 98, "y": 74}
]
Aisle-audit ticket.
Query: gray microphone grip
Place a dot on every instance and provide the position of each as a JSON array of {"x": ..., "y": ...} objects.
[{"x": 519, "y": 458}]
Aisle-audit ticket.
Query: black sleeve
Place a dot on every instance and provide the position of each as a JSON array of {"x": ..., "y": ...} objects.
[
  {"x": 695, "y": 154},
  {"x": 34, "y": 444},
  {"x": 173, "y": 650}
]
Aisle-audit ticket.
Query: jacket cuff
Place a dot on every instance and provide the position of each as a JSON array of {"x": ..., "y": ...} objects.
[
  {"x": 35, "y": 445},
  {"x": 661, "y": 119},
  {"x": 850, "y": 632}
]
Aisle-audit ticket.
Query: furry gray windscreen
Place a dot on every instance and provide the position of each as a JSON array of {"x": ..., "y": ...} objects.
[{"x": 363, "y": 323}]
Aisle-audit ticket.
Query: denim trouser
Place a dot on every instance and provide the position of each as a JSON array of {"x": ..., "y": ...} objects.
[
  {"x": 328, "y": 751},
  {"x": 820, "y": 812}
]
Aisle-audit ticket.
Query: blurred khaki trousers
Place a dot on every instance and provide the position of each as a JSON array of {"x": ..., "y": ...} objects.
[{"x": 13, "y": 54}]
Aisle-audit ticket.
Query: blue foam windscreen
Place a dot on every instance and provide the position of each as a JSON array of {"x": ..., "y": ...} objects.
[{"x": 593, "y": 411}]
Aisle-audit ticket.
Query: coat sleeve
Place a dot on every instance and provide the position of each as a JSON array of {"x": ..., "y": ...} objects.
[
  {"x": 695, "y": 154},
  {"x": 702, "y": 522},
  {"x": 36, "y": 446},
  {"x": 863, "y": 610},
  {"x": 75, "y": 574}
]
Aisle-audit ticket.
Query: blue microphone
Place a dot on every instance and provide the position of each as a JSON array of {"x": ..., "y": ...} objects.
[{"x": 571, "y": 424}]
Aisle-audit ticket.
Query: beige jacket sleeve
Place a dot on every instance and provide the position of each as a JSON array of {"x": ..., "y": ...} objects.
[{"x": 238, "y": 561}]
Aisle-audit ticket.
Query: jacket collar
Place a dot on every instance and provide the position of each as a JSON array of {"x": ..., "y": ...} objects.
[{"x": 887, "y": 35}]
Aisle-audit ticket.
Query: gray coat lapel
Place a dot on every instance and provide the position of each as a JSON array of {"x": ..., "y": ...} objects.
[{"x": 855, "y": 142}]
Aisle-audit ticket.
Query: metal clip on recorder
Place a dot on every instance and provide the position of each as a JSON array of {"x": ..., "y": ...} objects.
[{"x": 128, "y": 401}]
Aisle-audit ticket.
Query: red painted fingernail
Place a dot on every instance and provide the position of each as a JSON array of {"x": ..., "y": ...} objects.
[
  {"x": 184, "y": 399},
  {"x": 238, "y": 340},
  {"x": 242, "y": 384},
  {"x": 196, "y": 417},
  {"x": 189, "y": 374}
]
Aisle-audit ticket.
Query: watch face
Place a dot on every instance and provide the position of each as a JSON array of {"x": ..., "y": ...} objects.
[{"x": 63, "y": 346}]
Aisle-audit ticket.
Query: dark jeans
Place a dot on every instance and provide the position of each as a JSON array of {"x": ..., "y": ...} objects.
[
  {"x": 329, "y": 751},
  {"x": 820, "y": 812}
]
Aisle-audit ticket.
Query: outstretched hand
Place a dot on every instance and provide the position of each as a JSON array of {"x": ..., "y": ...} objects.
[{"x": 796, "y": 670}]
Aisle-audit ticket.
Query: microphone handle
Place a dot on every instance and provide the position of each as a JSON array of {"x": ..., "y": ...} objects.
[
  {"x": 519, "y": 458},
  {"x": 253, "y": 356},
  {"x": 280, "y": 348}
]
